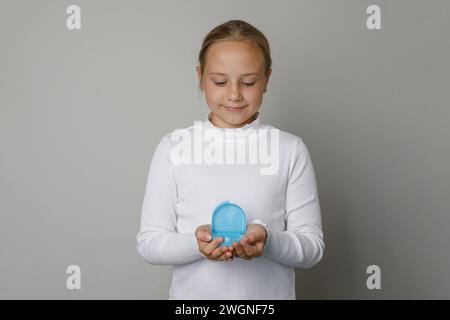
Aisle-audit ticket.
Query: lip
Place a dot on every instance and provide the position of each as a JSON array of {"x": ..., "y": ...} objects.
[{"x": 234, "y": 109}]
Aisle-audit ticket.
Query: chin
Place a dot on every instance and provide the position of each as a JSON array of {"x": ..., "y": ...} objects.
[{"x": 236, "y": 118}]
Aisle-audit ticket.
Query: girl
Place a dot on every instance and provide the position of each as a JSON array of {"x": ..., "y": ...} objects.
[{"x": 282, "y": 204}]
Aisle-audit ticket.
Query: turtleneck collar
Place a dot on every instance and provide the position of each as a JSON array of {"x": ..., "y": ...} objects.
[
  {"x": 254, "y": 124},
  {"x": 233, "y": 134}
]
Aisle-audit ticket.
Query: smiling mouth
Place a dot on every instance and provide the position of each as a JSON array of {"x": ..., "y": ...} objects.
[{"x": 234, "y": 109}]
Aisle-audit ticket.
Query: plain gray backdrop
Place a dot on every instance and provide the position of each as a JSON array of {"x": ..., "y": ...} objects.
[{"x": 81, "y": 112}]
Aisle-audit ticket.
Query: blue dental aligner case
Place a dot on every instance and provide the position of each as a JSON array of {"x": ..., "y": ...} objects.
[{"x": 228, "y": 221}]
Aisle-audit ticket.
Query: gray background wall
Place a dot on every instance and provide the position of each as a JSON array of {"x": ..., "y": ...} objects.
[{"x": 82, "y": 111}]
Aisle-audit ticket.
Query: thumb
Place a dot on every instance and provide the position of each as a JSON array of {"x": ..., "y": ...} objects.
[
  {"x": 254, "y": 237},
  {"x": 205, "y": 236}
]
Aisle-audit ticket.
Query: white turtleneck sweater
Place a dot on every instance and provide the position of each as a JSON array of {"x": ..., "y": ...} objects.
[{"x": 183, "y": 189}]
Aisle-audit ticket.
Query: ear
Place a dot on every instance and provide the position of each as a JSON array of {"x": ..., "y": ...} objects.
[
  {"x": 199, "y": 74},
  {"x": 269, "y": 72}
]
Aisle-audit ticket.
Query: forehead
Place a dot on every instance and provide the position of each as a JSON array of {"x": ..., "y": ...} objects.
[{"x": 234, "y": 57}]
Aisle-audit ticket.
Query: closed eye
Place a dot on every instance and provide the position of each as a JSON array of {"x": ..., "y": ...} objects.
[{"x": 245, "y": 83}]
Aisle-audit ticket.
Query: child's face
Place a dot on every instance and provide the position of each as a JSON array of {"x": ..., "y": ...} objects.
[{"x": 226, "y": 85}]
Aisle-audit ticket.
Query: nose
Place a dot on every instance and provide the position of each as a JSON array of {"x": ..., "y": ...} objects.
[{"x": 235, "y": 93}]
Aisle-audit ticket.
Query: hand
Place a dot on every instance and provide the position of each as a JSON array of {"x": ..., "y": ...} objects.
[
  {"x": 252, "y": 243},
  {"x": 210, "y": 248}
]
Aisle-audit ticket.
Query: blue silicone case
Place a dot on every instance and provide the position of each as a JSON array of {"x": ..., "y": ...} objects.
[{"x": 228, "y": 221}]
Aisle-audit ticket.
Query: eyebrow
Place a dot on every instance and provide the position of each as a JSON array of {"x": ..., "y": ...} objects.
[{"x": 245, "y": 74}]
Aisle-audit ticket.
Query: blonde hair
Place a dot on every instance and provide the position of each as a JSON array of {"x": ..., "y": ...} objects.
[{"x": 237, "y": 30}]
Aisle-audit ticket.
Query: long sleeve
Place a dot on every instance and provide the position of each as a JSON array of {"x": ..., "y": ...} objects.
[
  {"x": 301, "y": 244},
  {"x": 158, "y": 241}
]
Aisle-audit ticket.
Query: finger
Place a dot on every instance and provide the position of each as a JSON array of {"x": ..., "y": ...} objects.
[
  {"x": 202, "y": 231},
  {"x": 234, "y": 252},
  {"x": 255, "y": 245},
  {"x": 259, "y": 246},
  {"x": 233, "y": 249},
  {"x": 253, "y": 238},
  {"x": 224, "y": 257},
  {"x": 204, "y": 236},
  {"x": 218, "y": 253},
  {"x": 248, "y": 249},
  {"x": 240, "y": 250},
  {"x": 213, "y": 244},
  {"x": 249, "y": 238},
  {"x": 219, "y": 258},
  {"x": 228, "y": 255}
]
